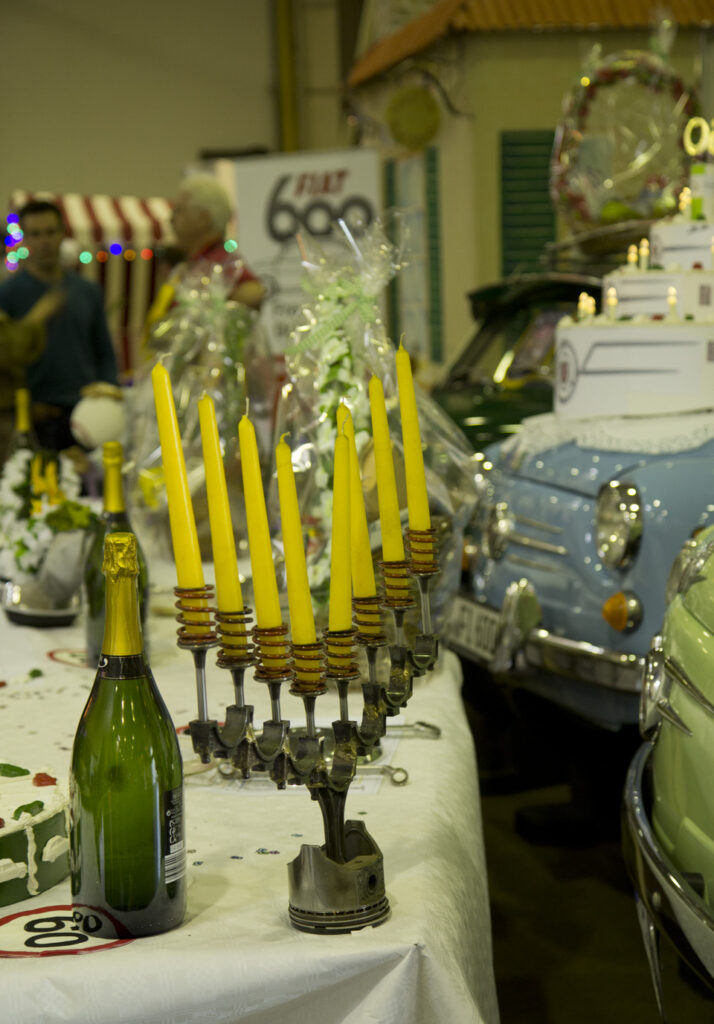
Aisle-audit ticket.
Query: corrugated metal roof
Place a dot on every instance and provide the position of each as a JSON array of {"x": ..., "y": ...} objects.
[{"x": 519, "y": 15}]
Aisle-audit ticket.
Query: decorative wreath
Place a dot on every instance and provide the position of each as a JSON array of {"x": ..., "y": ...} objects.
[{"x": 618, "y": 152}]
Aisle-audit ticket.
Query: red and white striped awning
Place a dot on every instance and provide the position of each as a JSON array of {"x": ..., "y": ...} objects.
[{"x": 114, "y": 243}]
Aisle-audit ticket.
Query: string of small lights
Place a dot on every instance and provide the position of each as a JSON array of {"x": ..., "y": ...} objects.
[{"x": 15, "y": 251}]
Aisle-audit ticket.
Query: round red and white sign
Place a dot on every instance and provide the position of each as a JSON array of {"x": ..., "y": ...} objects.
[{"x": 56, "y": 931}]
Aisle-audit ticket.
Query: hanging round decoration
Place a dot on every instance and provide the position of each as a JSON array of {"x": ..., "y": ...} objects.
[
  {"x": 413, "y": 116},
  {"x": 618, "y": 152}
]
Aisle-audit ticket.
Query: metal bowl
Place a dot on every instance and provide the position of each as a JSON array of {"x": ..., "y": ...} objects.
[{"x": 28, "y": 604}]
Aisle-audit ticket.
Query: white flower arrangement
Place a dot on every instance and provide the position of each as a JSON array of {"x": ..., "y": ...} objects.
[
  {"x": 25, "y": 536},
  {"x": 15, "y": 483}
]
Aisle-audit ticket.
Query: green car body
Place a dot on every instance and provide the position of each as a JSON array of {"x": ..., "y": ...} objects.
[{"x": 683, "y": 753}]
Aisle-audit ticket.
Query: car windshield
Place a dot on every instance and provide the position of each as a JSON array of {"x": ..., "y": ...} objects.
[
  {"x": 517, "y": 344},
  {"x": 533, "y": 350}
]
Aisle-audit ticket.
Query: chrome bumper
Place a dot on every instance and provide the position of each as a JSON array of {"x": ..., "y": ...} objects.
[
  {"x": 579, "y": 660},
  {"x": 666, "y": 902},
  {"x": 523, "y": 646},
  {"x": 593, "y": 682}
]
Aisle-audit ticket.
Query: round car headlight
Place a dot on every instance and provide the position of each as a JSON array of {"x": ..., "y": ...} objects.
[{"x": 618, "y": 523}]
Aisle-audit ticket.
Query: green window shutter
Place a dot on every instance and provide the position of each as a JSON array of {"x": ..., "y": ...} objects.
[{"x": 527, "y": 213}]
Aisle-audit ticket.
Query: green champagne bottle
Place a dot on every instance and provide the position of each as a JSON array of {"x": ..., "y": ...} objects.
[
  {"x": 114, "y": 519},
  {"x": 23, "y": 434},
  {"x": 127, "y": 850}
]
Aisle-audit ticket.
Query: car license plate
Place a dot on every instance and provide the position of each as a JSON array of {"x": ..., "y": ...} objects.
[{"x": 473, "y": 628}]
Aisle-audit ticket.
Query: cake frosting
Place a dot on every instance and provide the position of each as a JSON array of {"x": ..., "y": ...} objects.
[{"x": 34, "y": 830}]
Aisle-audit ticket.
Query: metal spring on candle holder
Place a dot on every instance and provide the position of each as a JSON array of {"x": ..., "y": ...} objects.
[
  {"x": 273, "y": 659},
  {"x": 341, "y": 662},
  {"x": 233, "y": 632},
  {"x": 421, "y": 546},
  {"x": 367, "y": 617},
  {"x": 309, "y": 669},
  {"x": 196, "y": 626},
  {"x": 396, "y": 584}
]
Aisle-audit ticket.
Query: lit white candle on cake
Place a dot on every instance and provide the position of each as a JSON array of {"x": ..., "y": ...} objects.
[
  {"x": 582, "y": 306},
  {"x": 672, "y": 303},
  {"x": 632, "y": 257},
  {"x": 611, "y": 302},
  {"x": 644, "y": 254},
  {"x": 685, "y": 199}
]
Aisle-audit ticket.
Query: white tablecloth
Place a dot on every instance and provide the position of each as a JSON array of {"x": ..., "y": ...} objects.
[{"x": 237, "y": 957}]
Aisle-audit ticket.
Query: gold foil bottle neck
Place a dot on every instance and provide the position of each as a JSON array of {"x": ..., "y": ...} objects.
[
  {"x": 112, "y": 453},
  {"x": 120, "y": 557},
  {"x": 22, "y": 410}
]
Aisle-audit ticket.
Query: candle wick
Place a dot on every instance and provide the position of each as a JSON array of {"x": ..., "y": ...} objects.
[
  {"x": 283, "y": 436},
  {"x": 247, "y": 406}
]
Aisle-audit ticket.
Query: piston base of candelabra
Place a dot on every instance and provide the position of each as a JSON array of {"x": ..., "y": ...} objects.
[
  {"x": 425, "y": 653},
  {"x": 331, "y": 898}
]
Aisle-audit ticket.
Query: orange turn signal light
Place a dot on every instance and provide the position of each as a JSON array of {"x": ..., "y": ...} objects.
[{"x": 616, "y": 611}]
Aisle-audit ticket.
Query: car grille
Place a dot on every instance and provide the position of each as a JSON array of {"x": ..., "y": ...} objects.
[{"x": 525, "y": 540}]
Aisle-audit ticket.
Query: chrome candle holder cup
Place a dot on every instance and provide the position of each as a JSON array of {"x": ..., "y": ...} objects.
[{"x": 339, "y": 886}]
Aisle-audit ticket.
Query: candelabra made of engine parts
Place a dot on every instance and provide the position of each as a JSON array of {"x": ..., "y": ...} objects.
[{"x": 337, "y": 887}]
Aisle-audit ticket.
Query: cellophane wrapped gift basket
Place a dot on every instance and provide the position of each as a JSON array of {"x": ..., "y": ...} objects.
[
  {"x": 208, "y": 343},
  {"x": 340, "y": 342}
]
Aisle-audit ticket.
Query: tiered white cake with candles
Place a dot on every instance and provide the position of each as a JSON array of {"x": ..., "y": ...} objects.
[{"x": 651, "y": 349}]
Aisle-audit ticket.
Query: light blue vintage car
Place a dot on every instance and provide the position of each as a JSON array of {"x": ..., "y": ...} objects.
[{"x": 577, "y": 527}]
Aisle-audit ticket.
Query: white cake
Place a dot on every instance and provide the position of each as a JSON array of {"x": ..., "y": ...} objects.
[
  {"x": 646, "y": 291},
  {"x": 652, "y": 352},
  {"x": 639, "y": 367},
  {"x": 34, "y": 830},
  {"x": 680, "y": 244}
]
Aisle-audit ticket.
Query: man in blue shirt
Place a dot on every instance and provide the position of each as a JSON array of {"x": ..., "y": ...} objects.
[{"x": 79, "y": 350}]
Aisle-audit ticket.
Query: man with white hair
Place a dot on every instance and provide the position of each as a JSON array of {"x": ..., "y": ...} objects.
[{"x": 200, "y": 215}]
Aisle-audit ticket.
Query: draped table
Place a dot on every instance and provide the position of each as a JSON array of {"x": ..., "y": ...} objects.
[{"x": 236, "y": 957}]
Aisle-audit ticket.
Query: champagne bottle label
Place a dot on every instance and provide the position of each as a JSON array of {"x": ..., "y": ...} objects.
[
  {"x": 121, "y": 666},
  {"x": 175, "y": 858}
]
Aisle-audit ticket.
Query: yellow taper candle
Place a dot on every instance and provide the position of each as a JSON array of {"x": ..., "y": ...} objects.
[
  {"x": 37, "y": 481},
  {"x": 225, "y": 563},
  {"x": 302, "y": 620},
  {"x": 23, "y": 420},
  {"x": 417, "y": 497},
  {"x": 363, "y": 584},
  {"x": 52, "y": 484},
  {"x": 392, "y": 542},
  {"x": 187, "y": 554},
  {"x": 340, "y": 615},
  {"x": 265, "y": 587}
]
